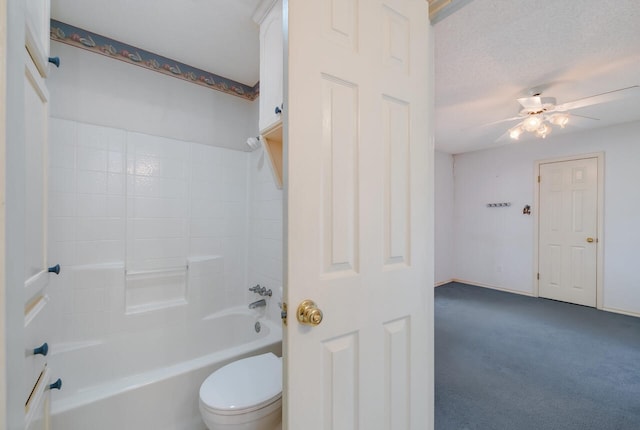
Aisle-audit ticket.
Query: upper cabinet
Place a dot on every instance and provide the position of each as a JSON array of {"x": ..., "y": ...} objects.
[
  {"x": 269, "y": 16},
  {"x": 37, "y": 32}
]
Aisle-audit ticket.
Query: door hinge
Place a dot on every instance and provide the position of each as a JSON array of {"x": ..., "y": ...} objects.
[
  {"x": 283, "y": 312},
  {"x": 538, "y": 276}
]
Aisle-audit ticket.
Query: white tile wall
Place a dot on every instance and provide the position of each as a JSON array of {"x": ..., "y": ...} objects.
[
  {"x": 265, "y": 236},
  {"x": 119, "y": 199}
]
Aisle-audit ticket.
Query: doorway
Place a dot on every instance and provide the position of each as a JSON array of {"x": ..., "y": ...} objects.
[{"x": 569, "y": 229}]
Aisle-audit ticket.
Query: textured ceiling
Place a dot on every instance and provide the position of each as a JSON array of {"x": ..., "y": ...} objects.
[
  {"x": 487, "y": 53},
  {"x": 491, "y": 52}
]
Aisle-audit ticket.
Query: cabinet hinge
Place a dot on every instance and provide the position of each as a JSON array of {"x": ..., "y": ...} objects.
[
  {"x": 538, "y": 178},
  {"x": 538, "y": 276}
]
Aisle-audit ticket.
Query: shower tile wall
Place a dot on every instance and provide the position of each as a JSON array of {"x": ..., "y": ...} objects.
[
  {"x": 265, "y": 230},
  {"x": 122, "y": 200}
]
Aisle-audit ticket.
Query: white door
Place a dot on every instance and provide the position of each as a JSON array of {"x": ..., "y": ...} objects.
[
  {"x": 37, "y": 314},
  {"x": 359, "y": 214},
  {"x": 568, "y": 236}
]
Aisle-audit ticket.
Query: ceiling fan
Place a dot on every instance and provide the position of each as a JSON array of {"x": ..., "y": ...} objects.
[{"x": 538, "y": 114}]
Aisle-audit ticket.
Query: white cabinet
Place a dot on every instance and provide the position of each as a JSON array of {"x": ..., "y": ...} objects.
[
  {"x": 269, "y": 16},
  {"x": 37, "y": 25}
]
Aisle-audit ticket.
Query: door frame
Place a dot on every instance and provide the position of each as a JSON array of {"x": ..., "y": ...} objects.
[{"x": 599, "y": 156}]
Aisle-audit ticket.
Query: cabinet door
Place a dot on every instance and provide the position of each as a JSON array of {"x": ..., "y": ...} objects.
[
  {"x": 37, "y": 25},
  {"x": 36, "y": 276},
  {"x": 271, "y": 58}
]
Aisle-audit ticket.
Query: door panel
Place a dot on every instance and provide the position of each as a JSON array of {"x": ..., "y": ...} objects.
[
  {"x": 568, "y": 218},
  {"x": 339, "y": 175},
  {"x": 36, "y": 117},
  {"x": 359, "y": 190}
]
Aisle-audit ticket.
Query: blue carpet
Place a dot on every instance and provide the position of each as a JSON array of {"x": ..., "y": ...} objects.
[{"x": 505, "y": 361}]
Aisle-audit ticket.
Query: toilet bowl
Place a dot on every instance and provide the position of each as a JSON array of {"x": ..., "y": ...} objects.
[{"x": 244, "y": 395}]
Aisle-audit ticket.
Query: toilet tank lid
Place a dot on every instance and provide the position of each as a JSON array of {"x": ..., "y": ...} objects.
[{"x": 244, "y": 383}]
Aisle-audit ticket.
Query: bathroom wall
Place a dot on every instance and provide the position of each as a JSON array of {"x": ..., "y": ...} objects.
[
  {"x": 265, "y": 230},
  {"x": 128, "y": 213},
  {"x": 145, "y": 181},
  {"x": 494, "y": 247},
  {"x": 99, "y": 90}
]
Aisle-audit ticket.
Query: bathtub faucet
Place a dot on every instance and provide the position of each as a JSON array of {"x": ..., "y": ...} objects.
[
  {"x": 263, "y": 291},
  {"x": 258, "y": 304}
]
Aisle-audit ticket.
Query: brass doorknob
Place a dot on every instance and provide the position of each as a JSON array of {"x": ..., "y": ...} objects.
[
  {"x": 590, "y": 239},
  {"x": 308, "y": 313}
]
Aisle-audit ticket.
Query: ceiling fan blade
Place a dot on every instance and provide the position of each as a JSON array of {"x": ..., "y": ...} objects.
[
  {"x": 595, "y": 99},
  {"x": 504, "y": 138},
  {"x": 500, "y": 121},
  {"x": 586, "y": 117}
]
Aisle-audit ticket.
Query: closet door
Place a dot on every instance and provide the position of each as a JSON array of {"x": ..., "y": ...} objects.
[
  {"x": 36, "y": 276},
  {"x": 38, "y": 320}
]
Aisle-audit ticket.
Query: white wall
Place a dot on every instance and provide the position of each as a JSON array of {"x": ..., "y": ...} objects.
[
  {"x": 494, "y": 246},
  {"x": 444, "y": 192},
  {"x": 95, "y": 89}
]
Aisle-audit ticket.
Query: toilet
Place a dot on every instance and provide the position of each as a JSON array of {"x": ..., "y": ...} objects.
[{"x": 244, "y": 395}]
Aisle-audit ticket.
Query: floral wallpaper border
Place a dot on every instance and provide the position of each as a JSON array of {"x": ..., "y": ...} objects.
[{"x": 89, "y": 41}]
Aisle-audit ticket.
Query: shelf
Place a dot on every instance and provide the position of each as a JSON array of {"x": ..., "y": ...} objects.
[{"x": 272, "y": 141}]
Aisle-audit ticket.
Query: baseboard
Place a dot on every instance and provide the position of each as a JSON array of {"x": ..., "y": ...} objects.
[
  {"x": 441, "y": 283},
  {"x": 493, "y": 287},
  {"x": 621, "y": 312},
  {"x": 523, "y": 293}
]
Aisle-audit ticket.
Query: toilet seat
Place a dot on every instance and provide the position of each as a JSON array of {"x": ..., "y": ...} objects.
[{"x": 243, "y": 386}]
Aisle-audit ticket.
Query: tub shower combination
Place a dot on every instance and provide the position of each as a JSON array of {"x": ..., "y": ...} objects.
[{"x": 151, "y": 379}]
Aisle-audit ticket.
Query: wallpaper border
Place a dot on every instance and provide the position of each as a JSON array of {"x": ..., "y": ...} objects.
[{"x": 84, "y": 39}]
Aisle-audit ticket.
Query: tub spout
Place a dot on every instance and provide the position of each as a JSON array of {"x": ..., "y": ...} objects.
[{"x": 258, "y": 304}]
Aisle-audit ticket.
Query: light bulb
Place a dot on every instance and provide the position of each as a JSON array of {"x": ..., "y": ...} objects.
[
  {"x": 560, "y": 119},
  {"x": 515, "y": 132},
  {"x": 543, "y": 131},
  {"x": 253, "y": 143},
  {"x": 532, "y": 123}
]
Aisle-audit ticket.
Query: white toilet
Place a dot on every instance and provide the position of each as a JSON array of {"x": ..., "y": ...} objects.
[{"x": 244, "y": 395}]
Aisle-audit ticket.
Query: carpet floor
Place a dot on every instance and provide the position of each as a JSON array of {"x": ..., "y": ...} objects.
[{"x": 506, "y": 361}]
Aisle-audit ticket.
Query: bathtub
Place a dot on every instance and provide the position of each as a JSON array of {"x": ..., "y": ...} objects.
[{"x": 151, "y": 379}]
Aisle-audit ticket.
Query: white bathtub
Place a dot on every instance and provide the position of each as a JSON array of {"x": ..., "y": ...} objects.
[{"x": 150, "y": 380}]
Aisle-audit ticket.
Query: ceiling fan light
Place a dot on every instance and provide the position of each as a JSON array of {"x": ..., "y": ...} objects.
[
  {"x": 515, "y": 132},
  {"x": 544, "y": 130},
  {"x": 532, "y": 123},
  {"x": 560, "y": 119}
]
